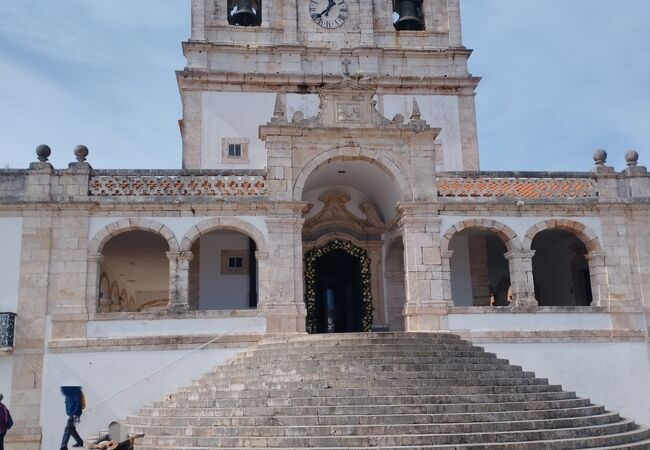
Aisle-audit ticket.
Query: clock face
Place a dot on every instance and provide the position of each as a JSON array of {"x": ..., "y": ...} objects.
[{"x": 328, "y": 13}]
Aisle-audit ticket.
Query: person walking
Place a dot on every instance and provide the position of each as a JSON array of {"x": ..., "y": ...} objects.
[
  {"x": 74, "y": 404},
  {"x": 6, "y": 422}
]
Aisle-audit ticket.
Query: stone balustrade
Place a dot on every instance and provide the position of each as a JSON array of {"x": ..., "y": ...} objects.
[
  {"x": 163, "y": 184},
  {"x": 7, "y": 325},
  {"x": 529, "y": 185}
]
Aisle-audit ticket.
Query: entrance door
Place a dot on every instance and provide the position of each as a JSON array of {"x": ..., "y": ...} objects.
[{"x": 338, "y": 293}]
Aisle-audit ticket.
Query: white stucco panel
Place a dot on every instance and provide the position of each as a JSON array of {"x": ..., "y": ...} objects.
[
  {"x": 613, "y": 374},
  {"x": 11, "y": 232},
  {"x": 126, "y": 380},
  {"x": 440, "y": 111},
  {"x": 529, "y": 322}
]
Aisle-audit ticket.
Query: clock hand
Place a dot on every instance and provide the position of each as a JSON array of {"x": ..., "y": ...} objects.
[{"x": 327, "y": 10}]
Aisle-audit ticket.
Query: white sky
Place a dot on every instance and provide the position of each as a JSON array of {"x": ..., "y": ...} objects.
[{"x": 560, "y": 79}]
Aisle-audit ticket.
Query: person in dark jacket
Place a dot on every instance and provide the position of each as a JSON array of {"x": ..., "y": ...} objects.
[
  {"x": 6, "y": 422},
  {"x": 73, "y": 409}
]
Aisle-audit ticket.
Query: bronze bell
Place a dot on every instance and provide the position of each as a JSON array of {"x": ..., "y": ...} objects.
[
  {"x": 410, "y": 15},
  {"x": 244, "y": 13}
]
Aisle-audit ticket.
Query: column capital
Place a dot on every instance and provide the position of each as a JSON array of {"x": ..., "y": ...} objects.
[
  {"x": 95, "y": 257},
  {"x": 180, "y": 256},
  {"x": 596, "y": 256},
  {"x": 519, "y": 253}
]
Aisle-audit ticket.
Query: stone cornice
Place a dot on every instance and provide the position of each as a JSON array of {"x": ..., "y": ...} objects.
[
  {"x": 203, "y": 80},
  {"x": 225, "y": 47}
]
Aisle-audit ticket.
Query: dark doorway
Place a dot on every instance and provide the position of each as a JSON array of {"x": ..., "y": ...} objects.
[{"x": 338, "y": 293}]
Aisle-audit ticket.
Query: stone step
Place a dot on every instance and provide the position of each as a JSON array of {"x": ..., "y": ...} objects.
[
  {"x": 383, "y": 390},
  {"x": 313, "y": 361},
  {"x": 347, "y": 383},
  {"x": 372, "y": 419},
  {"x": 393, "y": 440},
  {"x": 337, "y": 339},
  {"x": 210, "y": 393},
  {"x": 374, "y": 400},
  {"x": 631, "y": 440},
  {"x": 380, "y": 429},
  {"x": 367, "y": 409},
  {"x": 367, "y": 352}
]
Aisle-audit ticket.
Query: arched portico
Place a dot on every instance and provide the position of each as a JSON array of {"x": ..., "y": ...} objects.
[
  {"x": 382, "y": 162},
  {"x": 235, "y": 256},
  {"x": 477, "y": 264},
  {"x": 103, "y": 236},
  {"x": 569, "y": 253}
]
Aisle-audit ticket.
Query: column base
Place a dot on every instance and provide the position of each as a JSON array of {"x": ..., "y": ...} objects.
[
  {"x": 282, "y": 319},
  {"x": 426, "y": 317},
  {"x": 178, "y": 308},
  {"x": 528, "y": 304}
]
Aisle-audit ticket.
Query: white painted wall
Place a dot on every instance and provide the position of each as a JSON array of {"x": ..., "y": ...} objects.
[
  {"x": 461, "y": 276},
  {"x": 614, "y": 374},
  {"x": 104, "y": 374},
  {"x": 440, "y": 111},
  {"x": 223, "y": 114},
  {"x": 11, "y": 233},
  {"x": 217, "y": 291},
  {"x": 6, "y": 375},
  {"x": 529, "y": 322},
  {"x": 176, "y": 327}
]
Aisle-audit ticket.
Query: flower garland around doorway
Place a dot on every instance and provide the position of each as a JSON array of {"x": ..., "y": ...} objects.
[{"x": 310, "y": 281}]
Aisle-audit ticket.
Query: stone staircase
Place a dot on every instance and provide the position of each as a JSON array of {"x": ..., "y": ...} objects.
[{"x": 385, "y": 391}]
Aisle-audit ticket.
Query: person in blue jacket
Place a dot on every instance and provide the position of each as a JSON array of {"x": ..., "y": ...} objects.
[{"x": 73, "y": 408}]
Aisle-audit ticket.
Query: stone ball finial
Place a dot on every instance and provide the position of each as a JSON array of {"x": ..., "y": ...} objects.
[
  {"x": 632, "y": 158},
  {"x": 43, "y": 152},
  {"x": 600, "y": 157},
  {"x": 81, "y": 152}
]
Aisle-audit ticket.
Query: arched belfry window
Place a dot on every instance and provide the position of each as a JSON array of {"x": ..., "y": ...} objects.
[
  {"x": 245, "y": 13},
  {"x": 407, "y": 15}
]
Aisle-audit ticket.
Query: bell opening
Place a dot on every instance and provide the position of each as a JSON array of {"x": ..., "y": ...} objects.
[
  {"x": 245, "y": 13},
  {"x": 407, "y": 15}
]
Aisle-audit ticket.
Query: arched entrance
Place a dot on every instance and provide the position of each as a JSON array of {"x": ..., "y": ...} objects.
[{"x": 338, "y": 294}]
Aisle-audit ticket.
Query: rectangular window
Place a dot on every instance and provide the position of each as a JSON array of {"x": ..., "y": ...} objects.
[
  {"x": 234, "y": 150},
  {"x": 235, "y": 262}
]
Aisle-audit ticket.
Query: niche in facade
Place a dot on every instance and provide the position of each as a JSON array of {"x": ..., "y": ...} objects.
[
  {"x": 134, "y": 273},
  {"x": 560, "y": 269},
  {"x": 407, "y": 15},
  {"x": 480, "y": 274},
  {"x": 245, "y": 13}
]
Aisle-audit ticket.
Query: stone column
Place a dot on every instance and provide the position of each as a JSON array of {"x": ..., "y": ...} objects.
[
  {"x": 426, "y": 306},
  {"x": 179, "y": 281},
  {"x": 281, "y": 282},
  {"x": 93, "y": 273},
  {"x": 367, "y": 24},
  {"x": 521, "y": 279},
  {"x": 455, "y": 28},
  {"x": 599, "y": 281},
  {"x": 445, "y": 259},
  {"x": 290, "y": 21},
  {"x": 198, "y": 20},
  {"x": 376, "y": 271}
]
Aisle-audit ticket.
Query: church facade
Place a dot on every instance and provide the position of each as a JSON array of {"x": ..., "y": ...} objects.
[{"x": 330, "y": 183}]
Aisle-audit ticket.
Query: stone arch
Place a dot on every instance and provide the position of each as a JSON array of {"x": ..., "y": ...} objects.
[
  {"x": 132, "y": 224},
  {"x": 223, "y": 223},
  {"x": 581, "y": 231},
  {"x": 504, "y": 232},
  {"x": 356, "y": 154}
]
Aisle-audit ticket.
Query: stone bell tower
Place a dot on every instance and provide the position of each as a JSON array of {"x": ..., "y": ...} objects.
[{"x": 243, "y": 52}]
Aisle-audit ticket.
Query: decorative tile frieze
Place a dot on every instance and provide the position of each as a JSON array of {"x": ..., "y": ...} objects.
[
  {"x": 531, "y": 188},
  {"x": 153, "y": 185},
  {"x": 7, "y": 325}
]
